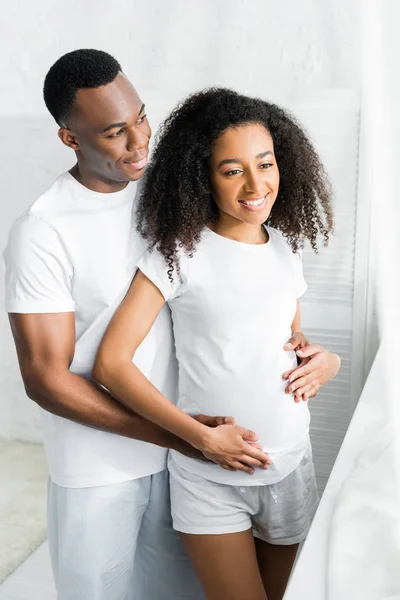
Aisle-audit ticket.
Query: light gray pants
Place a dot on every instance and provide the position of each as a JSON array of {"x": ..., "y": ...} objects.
[{"x": 116, "y": 542}]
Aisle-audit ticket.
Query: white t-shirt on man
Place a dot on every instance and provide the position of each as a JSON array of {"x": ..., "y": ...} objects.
[
  {"x": 76, "y": 250},
  {"x": 232, "y": 307}
]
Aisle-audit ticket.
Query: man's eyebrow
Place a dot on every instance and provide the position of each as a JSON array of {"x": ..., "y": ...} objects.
[
  {"x": 229, "y": 161},
  {"x": 113, "y": 125}
]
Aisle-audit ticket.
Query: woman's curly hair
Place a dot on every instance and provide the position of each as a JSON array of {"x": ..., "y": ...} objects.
[{"x": 175, "y": 202}]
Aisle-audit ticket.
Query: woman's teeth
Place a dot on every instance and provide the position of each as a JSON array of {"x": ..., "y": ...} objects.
[{"x": 253, "y": 202}]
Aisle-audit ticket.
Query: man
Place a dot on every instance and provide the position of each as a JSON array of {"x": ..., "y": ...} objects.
[{"x": 69, "y": 262}]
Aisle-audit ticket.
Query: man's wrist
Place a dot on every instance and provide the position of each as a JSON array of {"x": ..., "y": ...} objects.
[{"x": 144, "y": 430}]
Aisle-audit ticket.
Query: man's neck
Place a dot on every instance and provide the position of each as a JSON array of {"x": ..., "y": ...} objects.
[{"x": 94, "y": 182}]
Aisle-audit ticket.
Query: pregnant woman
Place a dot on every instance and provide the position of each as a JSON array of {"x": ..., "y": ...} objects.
[{"x": 234, "y": 190}]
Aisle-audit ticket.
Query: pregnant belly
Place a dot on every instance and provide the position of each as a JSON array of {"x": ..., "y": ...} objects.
[
  {"x": 252, "y": 391},
  {"x": 273, "y": 416}
]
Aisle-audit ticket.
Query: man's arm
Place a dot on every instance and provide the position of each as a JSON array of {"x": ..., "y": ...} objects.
[
  {"x": 45, "y": 346},
  {"x": 40, "y": 304}
]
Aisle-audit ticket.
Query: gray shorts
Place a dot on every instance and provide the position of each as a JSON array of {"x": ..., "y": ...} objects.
[{"x": 278, "y": 514}]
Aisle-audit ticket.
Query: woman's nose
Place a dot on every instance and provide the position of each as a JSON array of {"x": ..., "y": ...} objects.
[{"x": 255, "y": 183}]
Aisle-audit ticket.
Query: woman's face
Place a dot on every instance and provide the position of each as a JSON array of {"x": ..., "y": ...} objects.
[{"x": 244, "y": 174}]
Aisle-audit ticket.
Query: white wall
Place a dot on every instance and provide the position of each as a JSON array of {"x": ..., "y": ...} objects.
[{"x": 168, "y": 48}]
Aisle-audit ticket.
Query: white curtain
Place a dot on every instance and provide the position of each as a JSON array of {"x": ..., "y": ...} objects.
[{"x": 353, "y": 550}]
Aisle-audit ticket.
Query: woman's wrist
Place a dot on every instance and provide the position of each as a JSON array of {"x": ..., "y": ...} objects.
[
  {"x": 199, "y": 439},
  {"x": 194, "y": 433}
]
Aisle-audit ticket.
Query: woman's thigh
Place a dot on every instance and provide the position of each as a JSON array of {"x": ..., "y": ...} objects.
[
  {"x": 275, "y": 565},
  {"x": 226, "y": 565}
]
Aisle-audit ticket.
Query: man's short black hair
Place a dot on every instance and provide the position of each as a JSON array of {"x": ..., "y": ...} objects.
[{"x": 78, "y": 69}]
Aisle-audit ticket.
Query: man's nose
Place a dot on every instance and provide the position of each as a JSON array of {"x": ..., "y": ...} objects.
[{"x": 135, "y": 139}]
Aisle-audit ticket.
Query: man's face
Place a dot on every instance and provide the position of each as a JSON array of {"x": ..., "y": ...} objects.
[{"x": 109, "y": 132}]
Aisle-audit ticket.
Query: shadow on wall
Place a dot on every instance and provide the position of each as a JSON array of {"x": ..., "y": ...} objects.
[{"x": 31, "y": 159}]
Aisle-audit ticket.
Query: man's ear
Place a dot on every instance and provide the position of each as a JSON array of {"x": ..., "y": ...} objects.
[{"x": 68, "y": 138}]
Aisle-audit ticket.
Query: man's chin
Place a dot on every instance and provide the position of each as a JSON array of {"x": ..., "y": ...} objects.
[{"x": 132, "y": 174}]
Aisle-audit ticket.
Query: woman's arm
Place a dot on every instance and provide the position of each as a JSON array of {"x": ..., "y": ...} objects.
[{"x": 226, "y": 445}]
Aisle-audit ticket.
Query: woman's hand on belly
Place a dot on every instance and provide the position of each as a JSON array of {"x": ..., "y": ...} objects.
[
  {"x": 234, "y": 448},
  {"x": 317, "y": 367},
  {"x": 188, "y": 450}
]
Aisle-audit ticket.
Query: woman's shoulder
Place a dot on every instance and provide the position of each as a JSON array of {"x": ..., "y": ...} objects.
[
  {"x": 277, "y": 236},
  {"x": 282, "y": 243}
]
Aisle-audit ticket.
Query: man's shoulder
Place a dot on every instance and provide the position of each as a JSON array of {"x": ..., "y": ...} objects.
[
  {"x": 45, "y": 205},
  {"x": 51, "y": 200},
  {"x": 36, "y": 220}
]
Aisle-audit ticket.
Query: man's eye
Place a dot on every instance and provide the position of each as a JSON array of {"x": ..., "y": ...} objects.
[
  {"x": 116, "y": 134},
  {"x": 141, "y": 120}
]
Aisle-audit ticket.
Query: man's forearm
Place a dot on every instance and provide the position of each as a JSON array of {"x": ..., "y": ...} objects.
[{"x": 75, "y": 398}]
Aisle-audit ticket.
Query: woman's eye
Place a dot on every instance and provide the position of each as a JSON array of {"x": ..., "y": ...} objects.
[
  {"x": 266, "y": 165},
  {"x": 233, "y": 172}
]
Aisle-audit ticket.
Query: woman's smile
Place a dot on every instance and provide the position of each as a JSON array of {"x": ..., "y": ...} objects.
[{"x": 254, "y": 205}]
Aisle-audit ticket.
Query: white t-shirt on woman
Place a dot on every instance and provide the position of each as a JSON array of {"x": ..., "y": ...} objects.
[{"x": 232, "y": 307}]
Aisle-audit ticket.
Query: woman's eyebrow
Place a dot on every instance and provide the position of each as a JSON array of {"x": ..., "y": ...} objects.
[{"x": 228, "y": 161}]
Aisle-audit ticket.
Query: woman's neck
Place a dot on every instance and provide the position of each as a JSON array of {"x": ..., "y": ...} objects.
[{"x": 239, "y": 231}]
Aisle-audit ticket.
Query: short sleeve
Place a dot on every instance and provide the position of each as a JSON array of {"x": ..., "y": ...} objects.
[
  {"x": 170, "y": 283},
  {"x": 300, "y": 285},
  {"x": 38, "y": 270}
]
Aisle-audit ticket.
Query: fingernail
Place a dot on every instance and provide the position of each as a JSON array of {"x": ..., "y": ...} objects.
[{"x": 289, "y": 345}]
